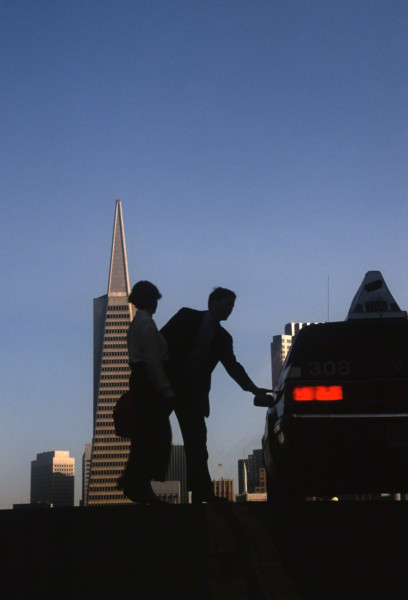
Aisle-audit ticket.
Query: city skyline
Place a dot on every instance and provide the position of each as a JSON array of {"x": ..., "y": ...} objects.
[{"x": 257, "y": 146}]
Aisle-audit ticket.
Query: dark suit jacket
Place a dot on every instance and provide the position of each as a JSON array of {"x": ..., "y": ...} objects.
[{"x": 181, "y": 333}]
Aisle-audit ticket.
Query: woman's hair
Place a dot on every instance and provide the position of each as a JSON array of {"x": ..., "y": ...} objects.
[{"x": 144, "y": 294}]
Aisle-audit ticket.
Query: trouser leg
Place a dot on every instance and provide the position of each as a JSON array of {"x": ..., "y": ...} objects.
[
  {"x": 137, "y": 468},
  {"x": 160, "y": 448},
  {"x": 150, "y": 449},
  {"x": 194, "y": 431}
]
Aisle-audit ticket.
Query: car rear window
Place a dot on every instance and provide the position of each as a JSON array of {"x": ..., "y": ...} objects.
[{"x": 350, "y": 349}]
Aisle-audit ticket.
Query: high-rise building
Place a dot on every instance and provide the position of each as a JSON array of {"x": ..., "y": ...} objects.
[
  {"x": 252, "y": 478},
  {"x": 224, "y": 488},
  {"x": 254, "y": 464},
  {"x": 177, "y": 470},
  {"x": 242, "y": 475},
  {"x": 280, "y": 347},
  {"x": 52, "y": 478},
  {"x": 261, "y": 487},
  {"x": 112, "y": 317},
  {"x": 86, "y": 468}
]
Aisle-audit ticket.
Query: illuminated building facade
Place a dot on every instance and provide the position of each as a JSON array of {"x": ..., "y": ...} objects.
[{"x": 52, "y": 478}]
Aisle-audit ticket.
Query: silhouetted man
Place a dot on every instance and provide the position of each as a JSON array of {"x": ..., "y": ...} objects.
[{"x": 197, "y": 342}]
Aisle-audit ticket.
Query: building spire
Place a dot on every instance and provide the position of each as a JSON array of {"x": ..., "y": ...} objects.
[{"x": 118, "y": 284}]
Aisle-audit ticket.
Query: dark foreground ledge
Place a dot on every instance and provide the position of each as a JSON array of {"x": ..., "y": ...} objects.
[{"x": 316, "y": 551}]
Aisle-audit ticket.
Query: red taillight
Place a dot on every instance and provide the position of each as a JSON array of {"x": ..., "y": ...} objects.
[
  {"x": 305, "y": 394},
  {"x": 321, "y": 393}
]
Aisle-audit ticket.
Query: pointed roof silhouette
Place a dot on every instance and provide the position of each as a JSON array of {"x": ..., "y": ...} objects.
[
  {"x": 118, "y": 284},
  {"x": 374, "y": 300}
]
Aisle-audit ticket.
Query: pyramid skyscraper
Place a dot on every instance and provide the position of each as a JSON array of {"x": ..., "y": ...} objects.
[{"x": 112, "y": 316}]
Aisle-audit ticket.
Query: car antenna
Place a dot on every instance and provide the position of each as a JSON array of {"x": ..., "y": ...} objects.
[{"x": 328, "y": 298}]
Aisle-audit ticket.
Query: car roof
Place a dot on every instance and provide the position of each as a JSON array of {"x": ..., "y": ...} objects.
[
  {"x": 372, "y": 346},
  {"x": 361, "y": 333},
  {"x": 353, "y": 327}
]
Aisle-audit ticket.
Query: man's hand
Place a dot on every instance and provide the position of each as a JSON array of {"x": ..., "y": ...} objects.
[
  {"x": 258, "y": 391},
  {"x": 262, "y": 392}
]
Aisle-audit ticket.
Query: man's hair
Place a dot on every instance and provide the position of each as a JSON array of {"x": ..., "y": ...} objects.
[
  {"x": 144, "y": 294},
  {"x": 219, "y": 293}
]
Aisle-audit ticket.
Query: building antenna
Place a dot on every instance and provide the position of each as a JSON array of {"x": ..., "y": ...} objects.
[{"x": 328, "y": 298}]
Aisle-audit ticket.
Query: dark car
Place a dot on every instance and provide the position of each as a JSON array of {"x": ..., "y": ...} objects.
[{"x": 339, "y": 420}]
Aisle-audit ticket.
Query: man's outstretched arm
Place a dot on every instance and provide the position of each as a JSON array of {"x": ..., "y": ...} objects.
[{"x": 237, "y": 371}]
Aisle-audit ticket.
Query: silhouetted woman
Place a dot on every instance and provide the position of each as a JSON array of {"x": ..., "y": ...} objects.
[{"x": 153, "y": 398}]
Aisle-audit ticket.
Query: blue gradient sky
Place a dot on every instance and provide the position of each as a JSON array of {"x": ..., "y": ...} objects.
[{"x": 258, "y": 145}]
